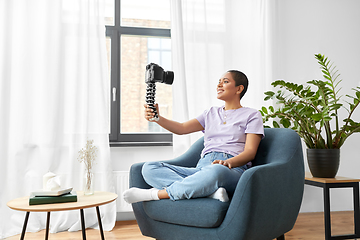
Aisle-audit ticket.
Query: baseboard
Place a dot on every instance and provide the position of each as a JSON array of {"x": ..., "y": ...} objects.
[{"x": 125, "y": 216}]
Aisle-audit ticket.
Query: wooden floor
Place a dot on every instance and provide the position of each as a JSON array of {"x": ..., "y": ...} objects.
[{"x": 309, "y": 226}]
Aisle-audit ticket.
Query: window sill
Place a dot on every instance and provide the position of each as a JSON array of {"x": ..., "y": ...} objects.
[{"x": 140, "y": 144}]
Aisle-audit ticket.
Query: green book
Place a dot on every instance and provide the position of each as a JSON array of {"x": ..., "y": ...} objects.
[{"x": 69, "y": 197}]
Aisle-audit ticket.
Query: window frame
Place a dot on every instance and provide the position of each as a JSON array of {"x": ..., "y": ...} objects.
[{"x": 116, "y": 138}]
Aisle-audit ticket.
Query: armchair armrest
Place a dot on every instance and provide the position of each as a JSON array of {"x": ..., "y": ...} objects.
[
  {"x": 267, "y": 196},
  {"x": 191, "y": 157},
  {"x": 135, "y": 177}
]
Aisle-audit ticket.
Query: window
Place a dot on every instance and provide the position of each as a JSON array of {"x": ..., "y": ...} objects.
[{"x": 138, "y": 33}]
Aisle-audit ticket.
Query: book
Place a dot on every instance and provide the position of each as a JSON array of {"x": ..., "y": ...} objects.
[
  {"x": 68, "y": 197},
  {"x": 51, "y": 193}
]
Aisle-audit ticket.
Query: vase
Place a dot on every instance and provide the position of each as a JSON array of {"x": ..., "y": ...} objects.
[
  {"x": 323, "y": 163},
  {"x": 88, "y": 182}
]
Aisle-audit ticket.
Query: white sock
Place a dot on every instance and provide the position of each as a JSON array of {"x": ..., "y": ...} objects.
[
  {"x": 134, "y": 195},
  {"x": 220, "y": 195}
]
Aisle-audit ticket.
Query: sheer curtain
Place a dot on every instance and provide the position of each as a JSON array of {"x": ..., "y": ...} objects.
[
  {"x": 213, "y": 36},
  {"x": 53, "y": 97}
]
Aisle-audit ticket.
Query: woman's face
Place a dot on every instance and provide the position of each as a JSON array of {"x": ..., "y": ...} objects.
[{"x": 226, "y": 89}]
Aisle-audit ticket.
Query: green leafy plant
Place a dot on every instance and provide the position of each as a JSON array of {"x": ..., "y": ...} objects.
[{"x": 314, "y": 114}]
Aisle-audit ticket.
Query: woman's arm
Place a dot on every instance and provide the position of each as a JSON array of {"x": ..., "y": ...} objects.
[
  {"x": 249, "y": 153},
  {"x": 173, "y": 126}
]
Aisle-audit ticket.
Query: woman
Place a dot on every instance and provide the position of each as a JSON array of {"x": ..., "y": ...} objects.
[{"x": 232, "y": 134}]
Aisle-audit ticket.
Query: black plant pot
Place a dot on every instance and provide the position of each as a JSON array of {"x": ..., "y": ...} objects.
[{"x": 323, "y": 163}]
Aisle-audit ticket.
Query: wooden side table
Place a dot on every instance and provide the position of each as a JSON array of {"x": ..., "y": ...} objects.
[
  {"x": 337, "y": 182},
  {"x": 96, "y": 200}
]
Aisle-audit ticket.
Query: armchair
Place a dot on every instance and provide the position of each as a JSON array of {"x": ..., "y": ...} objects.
[{"x": 264, "y": 206}]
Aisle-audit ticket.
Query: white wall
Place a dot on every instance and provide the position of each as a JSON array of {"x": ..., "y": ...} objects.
[
  {"x": 332, "y": 28},
  {"x": 302, "y": 28}
]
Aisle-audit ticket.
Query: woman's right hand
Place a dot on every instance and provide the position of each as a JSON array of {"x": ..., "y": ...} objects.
[{"x": 149, "y": 113}]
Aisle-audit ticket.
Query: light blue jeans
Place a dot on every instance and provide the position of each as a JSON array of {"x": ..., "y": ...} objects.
[{"x": 185, "y": 183}]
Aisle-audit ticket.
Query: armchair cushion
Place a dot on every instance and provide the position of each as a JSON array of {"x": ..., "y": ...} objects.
[{"x": 200, "y": 212}]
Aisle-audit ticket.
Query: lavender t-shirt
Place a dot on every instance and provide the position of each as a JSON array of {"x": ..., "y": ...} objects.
[{"x": 229, "y": 137}]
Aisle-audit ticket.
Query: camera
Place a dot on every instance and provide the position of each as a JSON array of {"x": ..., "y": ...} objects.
[{"x": 154, "y": 73}]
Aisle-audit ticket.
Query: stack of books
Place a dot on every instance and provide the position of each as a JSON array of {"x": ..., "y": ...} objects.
[{"x": 49, "y": 197}]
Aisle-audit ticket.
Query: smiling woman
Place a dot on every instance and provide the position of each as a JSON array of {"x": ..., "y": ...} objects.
[
  {"x": 230, "y": 144},
  {"x": 231, "y": 84}
]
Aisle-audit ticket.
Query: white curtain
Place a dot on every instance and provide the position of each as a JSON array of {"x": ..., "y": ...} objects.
[
  {"x": 54, "y": 93},
  {"x": 210, "y": 37}
]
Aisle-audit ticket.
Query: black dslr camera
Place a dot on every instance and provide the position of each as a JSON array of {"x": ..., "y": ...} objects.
[{"x": 154, "y": 73}]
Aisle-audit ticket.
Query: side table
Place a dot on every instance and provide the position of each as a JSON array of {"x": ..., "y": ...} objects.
[
  {"x": 95, "y": 200},
  {"x": 337, "y": 182}
]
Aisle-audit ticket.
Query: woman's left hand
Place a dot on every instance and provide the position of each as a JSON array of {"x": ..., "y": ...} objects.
[{"x": 222, "y": 162}]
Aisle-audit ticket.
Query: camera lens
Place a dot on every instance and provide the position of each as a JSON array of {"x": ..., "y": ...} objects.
[{"x": 169, "y": 77}]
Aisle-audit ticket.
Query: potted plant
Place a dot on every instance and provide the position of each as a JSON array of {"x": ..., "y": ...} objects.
[{"x": 314, "y": 115}]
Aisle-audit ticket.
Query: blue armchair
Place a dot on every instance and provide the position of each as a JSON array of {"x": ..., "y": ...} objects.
[{"x": 264, "y": 206}]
